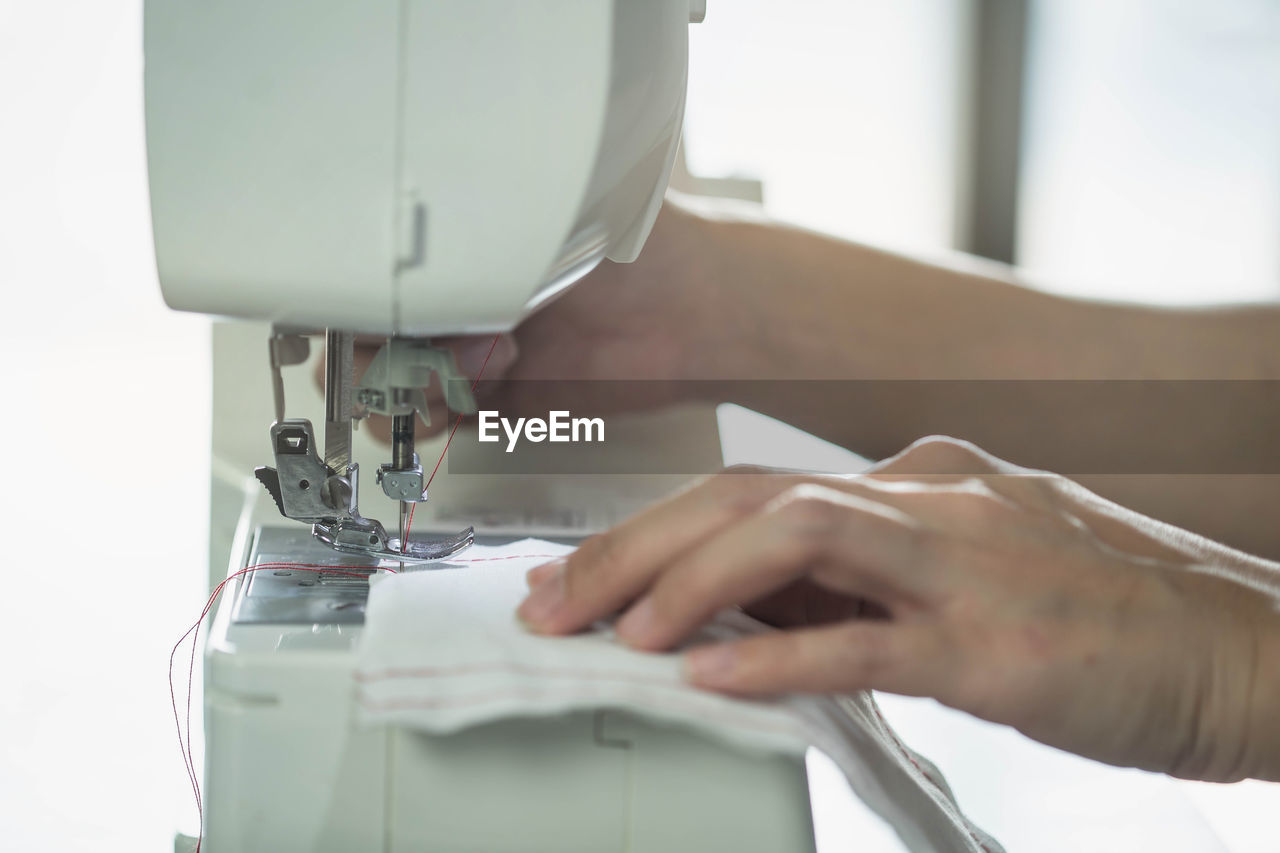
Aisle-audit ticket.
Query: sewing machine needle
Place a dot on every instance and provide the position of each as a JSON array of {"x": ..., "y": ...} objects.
[
  {"x": 404, "y": 525},
  {"x": 402, "y": 459}
]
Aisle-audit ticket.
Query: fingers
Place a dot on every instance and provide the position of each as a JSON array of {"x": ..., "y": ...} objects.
[
  {"x": 610, "y": 570},
  {"x": 805, "y": 603},
  {"x": 472, "y": 355},
  {"x": 909, "y": 659},
  {"x": 724, "y": 543},
  {"x": 475, "y": 353},
  {"x": 851, "y": 545},
  {"x": 939, "y": 460}
]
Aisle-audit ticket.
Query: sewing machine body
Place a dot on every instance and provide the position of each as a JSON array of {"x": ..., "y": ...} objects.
[
  {"x": 400, "y": 169},
  {"x": 288, "y": 769},
  {"x": 406, "y": 169}
]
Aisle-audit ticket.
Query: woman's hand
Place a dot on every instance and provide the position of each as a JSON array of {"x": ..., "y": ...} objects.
[
  {"x": 1009, "y": 593},
  {"x": 661, "y": 319}
]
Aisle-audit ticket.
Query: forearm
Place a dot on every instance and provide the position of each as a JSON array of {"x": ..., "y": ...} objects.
[
  {"x": 909, "y": 348},
  {"x": 921, "y": 347},
  {"x": 805, "y": 305}
]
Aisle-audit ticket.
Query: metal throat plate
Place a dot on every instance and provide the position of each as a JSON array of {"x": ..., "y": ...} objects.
[{"x": 291, "y": 597}]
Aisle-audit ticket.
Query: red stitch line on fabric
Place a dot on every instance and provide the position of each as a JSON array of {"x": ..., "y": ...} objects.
[
  {"x": 507, "y": 557},
  {"x": 907, "y": 754},
  {"x": 567, "y": 672},
  {"x": 392, "y": 673},
  {"x": 421, "y": 703}
]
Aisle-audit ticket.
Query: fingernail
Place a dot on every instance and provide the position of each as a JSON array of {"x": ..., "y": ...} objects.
[
  {"x": 542, "y": 602},
  {"x": 711, "y": 665},
  {"x": 543, "y": 573},
  {"x": 636, "y": 623}
]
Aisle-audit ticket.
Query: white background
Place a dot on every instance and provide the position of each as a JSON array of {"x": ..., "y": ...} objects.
[{"x": 105, "y": 437}]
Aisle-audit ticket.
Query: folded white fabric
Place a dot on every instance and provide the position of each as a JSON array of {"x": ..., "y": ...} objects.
[{"x": 442, "y": 650}]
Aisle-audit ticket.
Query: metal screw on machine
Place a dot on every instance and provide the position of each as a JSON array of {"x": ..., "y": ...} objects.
[
  {"x": 403, "y": 479},
  {"x": 336, "y": 492}
]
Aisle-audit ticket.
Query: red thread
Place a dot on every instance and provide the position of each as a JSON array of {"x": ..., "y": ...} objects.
[
  {"x": 458, "y": 420},
  {"x": 505, "y": 557},
  {"x": 916, "y": 764},
  {"x": 184, "y": 738},
  {"x": 182, "y": 722},
  {"x": 513, "y": 668}
]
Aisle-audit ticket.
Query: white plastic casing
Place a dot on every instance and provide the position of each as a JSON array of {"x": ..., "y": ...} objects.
[
  {"x": 288, "y": 769},
  {"x": 408, "y": 167}
]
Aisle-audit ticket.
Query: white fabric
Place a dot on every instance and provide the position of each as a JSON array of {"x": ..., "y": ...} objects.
[{"x": 442, "y": 650}]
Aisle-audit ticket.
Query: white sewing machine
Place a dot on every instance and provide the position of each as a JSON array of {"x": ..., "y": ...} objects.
[{"x": 408, "y": 169}]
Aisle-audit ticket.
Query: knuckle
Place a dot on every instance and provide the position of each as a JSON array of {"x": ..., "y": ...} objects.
[
  {"x": 941, "y": 445},
  {"x": 1044, "y": 490},
  {"x": 744, "y": 469},
  {"x": 1052, "y": 486},
  {"x": 744, "y": 488},
  {"x": 974, "y": 499},
  {"x": 809, "y": 508},
  {"x": 1015, "y": 488},
  {"x": 810, "y": 516},
  {"x": 943, "y": 454},
  {"x": 1037, "y": 490},
  {"x": 974, "y": 486}
]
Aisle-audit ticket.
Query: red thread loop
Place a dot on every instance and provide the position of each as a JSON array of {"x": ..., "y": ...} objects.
[{"x": 184, "y": 737}]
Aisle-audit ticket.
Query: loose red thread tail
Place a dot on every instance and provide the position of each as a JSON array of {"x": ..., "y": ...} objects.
[
  {"x": 458, "y": 420},
  {"x": 181, "y": 720},
  {"x": 184, "y": 736}
]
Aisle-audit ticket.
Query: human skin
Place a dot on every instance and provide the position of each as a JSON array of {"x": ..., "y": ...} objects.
[
  {"x": 722, "y": 294},
  {"x": 1015, "y": 595}
]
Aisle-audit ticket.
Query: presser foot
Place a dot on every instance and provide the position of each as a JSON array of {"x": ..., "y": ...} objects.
[
  {"x": 323, "y": 490},
  {"x": 305, "y": 489},
  {"x": 368, "y": 538}
]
